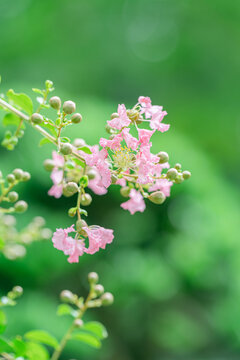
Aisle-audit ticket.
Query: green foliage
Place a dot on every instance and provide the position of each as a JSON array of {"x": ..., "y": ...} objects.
[
  {"x": 88, "y": 339},
  {"x": 42, "y": 337},
  {"x": 22, "y": 101}
]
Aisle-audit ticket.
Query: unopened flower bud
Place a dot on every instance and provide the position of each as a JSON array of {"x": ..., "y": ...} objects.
[
  {"x": 18, "y": 173},
  {"x": 179, "y": 179},
  {"x": 114, "y": 179},
  {"x": 107, "y": 299},
  {"x": 69, "y": 107},
  {"x": 111, "y": 137},
  {"x": 17, "y": 290},
  {"x": 55, "y": 102},
  {"x": 163, "y": 157},
  {"x": 78, "y": 323},
  {"x": 20, "y": 133},
  {"x": 86, "y": 199},
  {"x": 80, "y": 224},
  {"x": 125, "y": 191},
  {"x": 172, "y": 174},
  {"x": 13, "y": 196},
  {"x": 11, "y": 178},
  {"x": 26, "y": 176},
  {"x": 48, "y": 84},
  {"x": 21, "y": 206},
  {"x": 70, "y": 189},
  {"x": 157, "y": 197},
  {"x": 66, "y": 149},
  {"x": 178, "y": 166},
  {"x": 39, "y": 221},
  {"x": 93, "y": 277},
  {"x": 99, "y": 289},
  {"x": 91, "y": 173},
  {"x": 133, "y": 114},
  {"x": 67, "y": 296},
  {"x": 186, "y": 175},
  {"x": 14, "y": 140},
  {"x": 79, "y": 142},
  {"x": 76, "y": 118},
  {"x": 108, "y": 129},
  {"x": 36, "y": 118},
  {"x": 114, "y": 115},
  {"x": 48, "y": 164},
  {"x": 72, "y": 211}
]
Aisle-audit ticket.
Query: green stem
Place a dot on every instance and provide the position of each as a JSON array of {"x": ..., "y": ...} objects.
[
  {"x": 67, "y": 336},
  {"x": 37, "y": 127}
]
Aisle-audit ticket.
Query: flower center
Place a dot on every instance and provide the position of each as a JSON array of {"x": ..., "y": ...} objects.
[{"x": 123, "y": 158}]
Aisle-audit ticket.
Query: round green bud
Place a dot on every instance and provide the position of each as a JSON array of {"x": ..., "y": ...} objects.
[
  {"x": 178, "y": 166},
  {"x": 114, "y": 179},
  {"x": 67, "y": 296},
  {"x": 76, "y": 118},
  {"x": 39, "y": 221},
  {"x": 111, "y": 137},
  {"x": 13, "y": 196},
  {"x": 48, "y": 84},
  {"x": 93, "y": 277},
  {"x": 163, "y": 157},
  {"x": 86, "y": 199},
  {"x": 17, "y": 290},
  {"x": 26, "y": 176},
  {"x": 133, "y": 114},
  {"x": 78, "y": 323},
  {"x": 36, "y": 118},
  {"x": 108, "y": 129},
  {"x": 79, "y": 142},
  {"x": 55, "y": 102},
  {"x": 69, "y": 107},
  {"x": 179, "y": 179},
  {"x": 91, "y": 173},
  {"x": 18, "y": 173},
  {"x": 125, "y": 191},
  {"x": 21, "y": 206},
  {"x": 107, "y": 299},
  {"x": 72, "y": 211},
  {"x": 186, "y": 175},
  {"x": 48, "y": 164},
  {"x": 99, "y": 289},
  {"x": 157, "y": 197},
  {"x": 11, "y": 178},
  {"x": 114, "y": 115},
  {"x": 70, "y": 189},
  {"x": 66, "y": 149},
  {"x": 172, "y": 174},
  {"x": 80, "y": 224},
  {"x": 20, "y": 133},
  {"x": 14, "y": 140}
]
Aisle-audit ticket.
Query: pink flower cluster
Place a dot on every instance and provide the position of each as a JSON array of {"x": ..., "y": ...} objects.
[
  {"x": 57, "y": 176},
  {"x": 98, "y": 237}
]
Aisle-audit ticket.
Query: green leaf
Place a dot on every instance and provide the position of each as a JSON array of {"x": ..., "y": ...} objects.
[
  {"x": 85, "y": 149},
  {"x": 87, "y": 339},
  {"x": 65, "y": 309},
  {"x": 38, "y": 91},
  {"x": 65, "y": 139},
  {"x": 19, "y": 346},
  {"x": 44, "y": 141},
  {"x": 79, "y": 162},
  {"x": 11, "y": 119},
  {"x": 96, "y": 328},
  {"x": 36, "y": 352},
  {"x": 5, "y": 346},
  {"x": 2, "y": 244},
  {"x": 3, "y": 321},
  {"x": 21, "y": 100},
  {"x": 51, "y": 128},
  {"x": 42, "y": 337}
]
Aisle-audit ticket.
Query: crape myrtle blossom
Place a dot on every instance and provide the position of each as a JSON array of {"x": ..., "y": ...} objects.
[
  {"x": 154, "y": 113},
  {"x": 75, "y": 247},
  {"x": 57, "y": 175},
  {"x": 122, "y": 120},
  {"x": 135, "y": 203}
]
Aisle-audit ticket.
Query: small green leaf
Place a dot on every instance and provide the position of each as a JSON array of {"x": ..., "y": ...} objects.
[
  {"x": 44, "y": 141},
  {"x": 11, "y": 119},
  {"x": 65, "y": 309},
  {"x": 79, "y": 162},
  {"x": 96, "y": 328},
  {"x": 3, "y": 322},
  {"x": 21, "y": 100},
  {"x": 65, "y": 139},
  {"x": 42, "y": 337},
  {"x": 2, "y": 244},
  {"x": 5, "y": 346},
  {"x": 51, "y": 128},
  {"x": 19, "y": 346},
  {"x": 38, "y": 91},
  {"x": 36, "y": 352},
  {"x": 87, "y": 339},
  {"x": 85, "y": 149}
]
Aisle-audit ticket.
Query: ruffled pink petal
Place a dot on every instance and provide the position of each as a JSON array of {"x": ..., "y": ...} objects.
[
  {"x": 56, "y": 191},
  {"x": 58, "y": 159},
  {"x": 130, "y": 140},
  {"x": 99, "y": 237},
  {"x": 122, "y": 120},
  {"x": 135, "y": 203}
]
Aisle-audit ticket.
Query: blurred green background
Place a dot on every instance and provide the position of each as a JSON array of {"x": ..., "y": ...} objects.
[{"x": 175, "y": 269}]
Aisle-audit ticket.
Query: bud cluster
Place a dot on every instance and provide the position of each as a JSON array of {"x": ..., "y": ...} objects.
[{"x": 11, "y": 297}]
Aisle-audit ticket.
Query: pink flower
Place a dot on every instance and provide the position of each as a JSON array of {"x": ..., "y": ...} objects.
[
  {"x": 144, "y": 136},
  {"x": 57, "y": 175},
  {"x": 96, "y": 184},
  {"x": 122, "y": 120},
  {"x": 163, "y": 185},
  {"x": 146, "y": 163},
  {"x": 99, "y": 237},
  {"x": 135, "y": 203},
  {"x": 113, "y": 144},
  {"x": 60, "y": 237},
  {"x": 130, "y": 140},
  {"x": 146, "y": 104},
  {"x": 76, "y": 248},
  {"x": 156, "y": 121}
]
